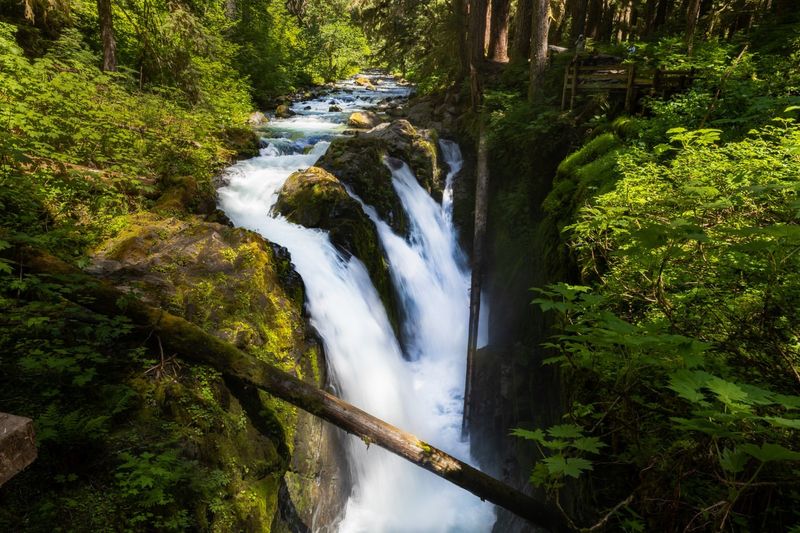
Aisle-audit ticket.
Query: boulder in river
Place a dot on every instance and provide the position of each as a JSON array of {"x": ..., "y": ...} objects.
[
  {"x": 364, "y": 82},
  {"x": 257, "y": 118},
  {"x": 364, "y": 120},
  {"x": 358, "y": 162},
  {"x": 335, "y": 109},
  {"x": 315, "y": 198},
  {"x": 284, "y": 111}
]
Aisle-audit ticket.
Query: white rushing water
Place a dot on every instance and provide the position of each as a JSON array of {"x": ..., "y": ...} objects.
[{"x": 421, "y": 392}]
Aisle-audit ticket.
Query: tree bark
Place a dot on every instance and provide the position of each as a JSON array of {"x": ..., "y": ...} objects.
[
  {"x": 498, "y": 35},
  {"x": 521, "y": 49},
  {"x": 578, "y": 21},
  {"x": 107, "y": 35},
  {"x": 540, "y": 24},
  {"x": 479, "y": 237},
  {"x": 662, "y": 12},
  {"x": 692, "y": 15},
  {"x": 194, "y": 344},
  {"x": 594, "y": 19},
  {"x": 477, "y": 30},
  {"x": 460, "y": 31}
]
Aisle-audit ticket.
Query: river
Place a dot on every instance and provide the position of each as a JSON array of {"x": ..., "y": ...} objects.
[{"x": 418, "y": 387}]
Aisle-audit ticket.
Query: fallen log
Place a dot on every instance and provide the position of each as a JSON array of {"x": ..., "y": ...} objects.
[
  {"x": 192, "y": 343},
  {"x": 17, "y": 445}
]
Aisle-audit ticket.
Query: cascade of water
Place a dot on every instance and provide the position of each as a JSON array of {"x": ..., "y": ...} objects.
[
  {"x": 420, "y": 393},
  {"x": 454, "y": 160}
]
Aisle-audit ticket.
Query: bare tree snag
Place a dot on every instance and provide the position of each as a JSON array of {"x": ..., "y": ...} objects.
[
  {"x": 540, "y": 23},
  {"x": 107, "y": 35},
  {"x": 192, "y": 343}
]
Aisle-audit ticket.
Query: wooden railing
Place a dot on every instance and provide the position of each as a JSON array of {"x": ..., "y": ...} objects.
[{"x": 619, "y": 77}]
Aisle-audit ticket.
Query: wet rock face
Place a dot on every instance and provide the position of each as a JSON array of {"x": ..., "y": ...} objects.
[
  {"x": 358, "y": 161},
  {"x": 314, "y": 198}
]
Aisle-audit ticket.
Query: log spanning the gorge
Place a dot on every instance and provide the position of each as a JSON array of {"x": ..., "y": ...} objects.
[{"x": 194, "y": 344}]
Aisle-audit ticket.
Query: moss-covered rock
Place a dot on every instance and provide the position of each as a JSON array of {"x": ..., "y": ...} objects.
[
  {"x": 284, "y": 111},
  {"x": 243, "y": 140},
  {"x": 364, "y": 120},
  {"x": 242, "y": 289},
  {"x": 184, "y": 194},
  {"x": 358, "y": 162},
  {"x": 315, "y": 198}
]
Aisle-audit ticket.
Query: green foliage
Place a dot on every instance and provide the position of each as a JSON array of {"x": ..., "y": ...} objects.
[
  {"x": 415, "y": 38},
  {"x": 558, "y": 447},
  {"x": 682, "y": 343},
  {"x": 338, "y": 48},
  {"x": 120, "y": 447},
  {"x": 280, "y": 52},
  {"x": 82, "y": 147}
]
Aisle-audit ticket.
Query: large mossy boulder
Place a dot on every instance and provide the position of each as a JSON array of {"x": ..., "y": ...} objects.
[
  {"x": 314, "y": 198},
  {"x": 358, "y": 162},
  {"x": 363, "y": 120},
  {"x": 243, "y": 289}
]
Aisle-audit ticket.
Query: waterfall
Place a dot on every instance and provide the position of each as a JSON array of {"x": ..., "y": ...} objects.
[{"x": 421, "y": 392}]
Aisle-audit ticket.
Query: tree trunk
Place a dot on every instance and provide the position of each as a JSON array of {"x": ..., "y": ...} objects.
[
  {"x": 107, "y": 35},
  {"x": 649, "y": 18},
  {"x": 460, "y": 31},
  {"x": 192, "y": 343},
  {"x": 594, "y": 19},
  {"x": 607, "y": 24},
  {"x": 578, "y": 21},
  {"x": 479, "y": 237},
  {"x": 661, "y": 14},
  {"x": 521, "y": 49},
  {"x": 540, "y": 24},
  {"x": 477, "y": 30},
  {"x": 498, "y": 36},
  {"x": 783, "y": 8},
  {"x": 692, "y": 15}
]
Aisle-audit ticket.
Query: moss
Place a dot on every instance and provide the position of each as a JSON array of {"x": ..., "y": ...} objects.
[
  {"x": 581, "y": 175},
  {"x": 239, "y": 287},
  {"x": 358, "y": 162}
]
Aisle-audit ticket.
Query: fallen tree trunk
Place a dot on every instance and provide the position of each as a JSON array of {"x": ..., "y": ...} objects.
[{"x": 194, "y": 344}]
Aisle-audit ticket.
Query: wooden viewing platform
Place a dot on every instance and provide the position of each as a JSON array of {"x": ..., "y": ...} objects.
[{"x": 627, "y": 77}]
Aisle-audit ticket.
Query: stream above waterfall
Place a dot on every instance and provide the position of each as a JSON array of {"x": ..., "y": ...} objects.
[{"x": 417, "y": 384}]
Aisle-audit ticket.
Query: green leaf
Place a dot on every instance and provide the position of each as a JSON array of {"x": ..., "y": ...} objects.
[
  {"x": 688, "y": 383},
  {"x": 728, "y": 393},
  {"x": 733, "y": 461},
  {"x": 792, "y": 423},
  {"x": 562, "y": 466},
  {"x": 589, "y": 444},
  {"x": 770, "y": 452},
  {"x": 565, "y": 431},
  {"x": 536, "y": 435}
]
